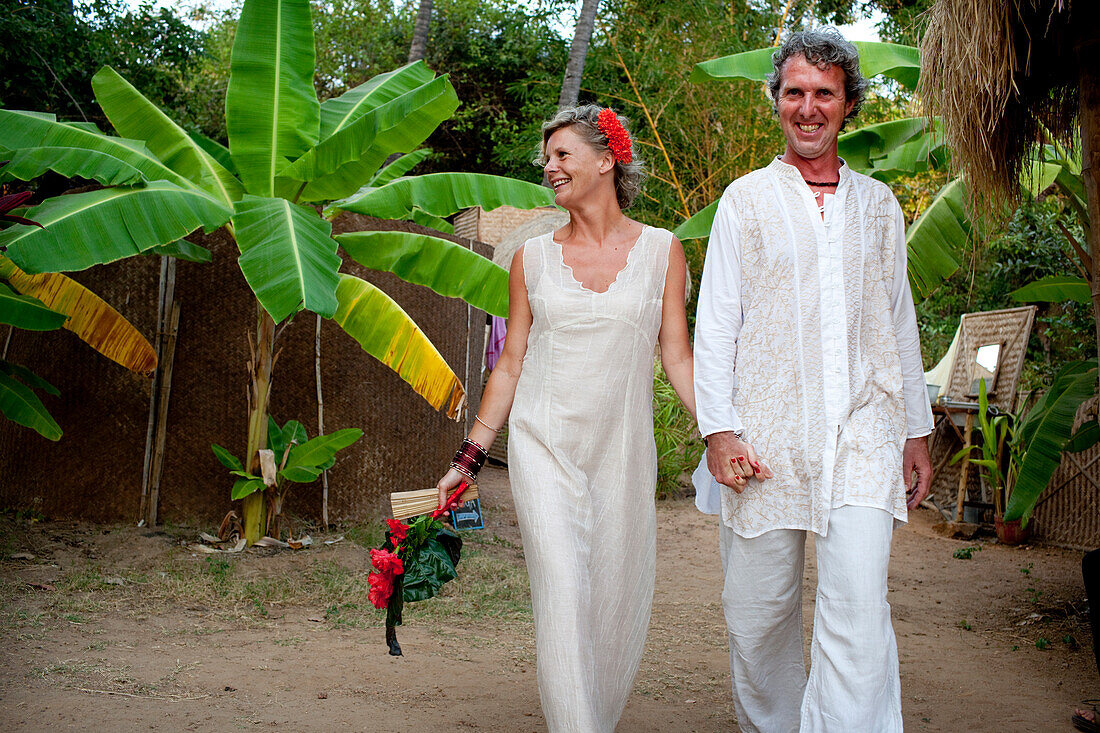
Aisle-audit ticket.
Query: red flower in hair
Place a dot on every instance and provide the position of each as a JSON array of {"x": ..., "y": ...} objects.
[{"x": 618, "y": 139}]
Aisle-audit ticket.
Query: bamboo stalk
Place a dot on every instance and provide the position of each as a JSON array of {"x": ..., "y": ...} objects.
[
  {"x": 320, "y": 418},
  {"x": 162, "y": 418},
  {"x": 405, "y": 504}
]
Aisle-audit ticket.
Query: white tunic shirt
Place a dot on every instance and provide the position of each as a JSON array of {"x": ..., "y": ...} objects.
[{"x": 834, "y": 346}]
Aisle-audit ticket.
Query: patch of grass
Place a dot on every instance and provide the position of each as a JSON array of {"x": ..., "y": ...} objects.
[
  {"x": 366, "y": 535},
  {"x": 1041, "y": 643},
  {"x": 965, "y": 625}
]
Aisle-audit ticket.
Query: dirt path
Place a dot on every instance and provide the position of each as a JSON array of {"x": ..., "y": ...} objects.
[{"x": 109, "y": 637}]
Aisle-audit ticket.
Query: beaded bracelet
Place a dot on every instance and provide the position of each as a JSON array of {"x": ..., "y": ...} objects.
[{"x": 469, "y": 459}]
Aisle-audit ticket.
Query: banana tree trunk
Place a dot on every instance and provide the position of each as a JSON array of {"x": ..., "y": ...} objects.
[
  {"x": 1090, "y": 168},
  {"x": 254, "y": 505}
]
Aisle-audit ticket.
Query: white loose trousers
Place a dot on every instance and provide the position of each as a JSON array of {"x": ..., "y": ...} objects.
[{"x": 853, "y": 684}]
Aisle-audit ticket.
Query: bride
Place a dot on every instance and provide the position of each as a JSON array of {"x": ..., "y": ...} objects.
[{"x": 588, "y": 304}]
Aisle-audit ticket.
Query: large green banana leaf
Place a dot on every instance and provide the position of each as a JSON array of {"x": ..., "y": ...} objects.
[
  {"x": 271, "y": 108},
  {"x": 306, "y": 461},
  {"x": 23, "y": 311},
  {"x": 1045, "y": 432},
  {"x": 24, "y": 130},
  {"x": 28, "y": 164},
  {"x": 92, "y": 228},
  {"x": 698, "y": 225},
  {"x": 342, "y": 163},
  {"x": 1054, "y": 289},
  {"x": 387, "y": 333},
  {"x": 445, "y": 194},
  {"x": 28, "y": 377},
  {"x": 936, "y": 238},
  {"x": 134, "y": 116},
  {"x": 87, "y": 315},
  {"x": 181, "y": 249},
  {"x": 897, "y": 62},
  {"x": 215, "y": 150},
  {"x": 22, "y": 406},
  {"x": 399, "y": 167},
  {"x": 447, "y": 268},
  {"x": 339, "y": 112},
  {"x": 908, "y": 145},
  {"x": 288, "y": 256}
]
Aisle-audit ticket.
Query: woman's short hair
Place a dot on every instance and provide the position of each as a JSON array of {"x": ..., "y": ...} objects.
[
  {"x": 583, "y": 120},
  {"x": 822, "y": 47}
]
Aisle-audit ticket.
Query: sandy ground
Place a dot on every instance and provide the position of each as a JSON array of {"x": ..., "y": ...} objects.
[{"x": 997, "y": 642}]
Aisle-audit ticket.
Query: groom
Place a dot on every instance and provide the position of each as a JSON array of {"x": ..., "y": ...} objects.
[{"x": 811, "y": 397}]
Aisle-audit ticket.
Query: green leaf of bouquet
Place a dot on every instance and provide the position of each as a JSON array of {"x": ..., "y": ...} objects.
[
  {"x": 134, "y": 116},
  {"x": 447, "y": 268},
  {"x": 24, "y": 130},
  {"x": 22, "y": 406},
  {"x": 288, "y": 256},
  {"x": 271, "y": 108},
  {"x": 436, "y": 564},
  {"x": 1054, "y": 289},
  {"x": 386, "y": 332},
  {"x": 226, "y": 458},
  {"x": 102, "y": 226},
  {"x": 445, "y": 194},
  {"x": 29, "y": 163},
  {"x": 340, "y": 164},
  {"x": 340, "y": 112},
  {"x": 23, "y": 311},
  {"x": 28, "y": 377}
]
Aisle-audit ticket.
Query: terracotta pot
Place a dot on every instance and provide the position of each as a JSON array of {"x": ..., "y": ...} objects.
[{"x": 1010, "y": 533}]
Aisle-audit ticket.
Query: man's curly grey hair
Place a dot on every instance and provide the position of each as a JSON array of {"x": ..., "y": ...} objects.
[
  {"x": 823, "y": 47},
  {"x": 584, "y": 121}
]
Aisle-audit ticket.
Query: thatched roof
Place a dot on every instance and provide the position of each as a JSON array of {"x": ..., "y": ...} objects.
[{"x": 1003, "y": 75}]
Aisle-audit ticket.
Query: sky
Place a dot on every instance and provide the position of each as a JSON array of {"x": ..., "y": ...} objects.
[{"x": 863, "y": 30}]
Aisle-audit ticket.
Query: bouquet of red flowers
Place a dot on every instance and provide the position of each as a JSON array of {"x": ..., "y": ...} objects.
[{"x": 413, "y": 564}]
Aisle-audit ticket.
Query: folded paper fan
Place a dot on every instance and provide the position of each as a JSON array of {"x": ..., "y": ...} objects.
[{"x": 407, "y": 504}]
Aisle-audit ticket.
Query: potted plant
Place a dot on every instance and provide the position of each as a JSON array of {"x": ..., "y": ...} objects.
[{"x": 1021, "y": 452}]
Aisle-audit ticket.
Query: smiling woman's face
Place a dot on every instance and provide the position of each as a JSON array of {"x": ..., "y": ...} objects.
[
  {"x": 573, "y": 167},
  {"x": 811, "y": 107}
]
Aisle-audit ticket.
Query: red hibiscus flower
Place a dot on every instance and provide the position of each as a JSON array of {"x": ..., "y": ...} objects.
[
  {"x": 397, "y": 531},
  {"x": 387, "y": 562},
  {"x": 381, "y": 588}
]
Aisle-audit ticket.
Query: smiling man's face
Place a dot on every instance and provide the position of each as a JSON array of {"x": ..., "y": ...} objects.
[{"x": 812, "y": 107}]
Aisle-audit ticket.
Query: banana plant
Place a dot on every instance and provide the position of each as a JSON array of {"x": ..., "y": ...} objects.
[
  {"x": 288, "y": 154},
  {"x": 48, "y": 302},
  {"x": 290, "y": 457}
]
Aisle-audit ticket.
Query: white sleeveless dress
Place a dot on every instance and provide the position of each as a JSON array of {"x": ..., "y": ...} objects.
[{"x": 582, "y": 464}]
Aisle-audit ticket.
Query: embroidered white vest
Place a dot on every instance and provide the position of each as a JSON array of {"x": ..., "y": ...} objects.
[{"x": 779, "y": 367}]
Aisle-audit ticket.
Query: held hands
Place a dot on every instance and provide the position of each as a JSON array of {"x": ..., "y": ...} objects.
[
  {"x": 915, "y": 459},
  {"x": 733, "y": 462}
]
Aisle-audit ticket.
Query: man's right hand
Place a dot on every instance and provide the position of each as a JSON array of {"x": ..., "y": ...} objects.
[{"x": 733, "y": 461}]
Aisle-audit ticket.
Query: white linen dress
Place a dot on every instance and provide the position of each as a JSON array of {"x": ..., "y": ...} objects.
[{"x": 583, "y": 467}]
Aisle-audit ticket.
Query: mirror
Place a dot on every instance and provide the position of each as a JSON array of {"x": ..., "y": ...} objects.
[{"x": 987, "y": 362}]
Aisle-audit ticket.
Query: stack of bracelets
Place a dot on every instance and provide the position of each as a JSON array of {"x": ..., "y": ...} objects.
[{"x": 469, "y": 459}]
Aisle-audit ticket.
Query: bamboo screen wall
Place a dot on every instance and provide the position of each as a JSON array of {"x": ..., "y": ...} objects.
[{"x": 95, "y": 471}]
